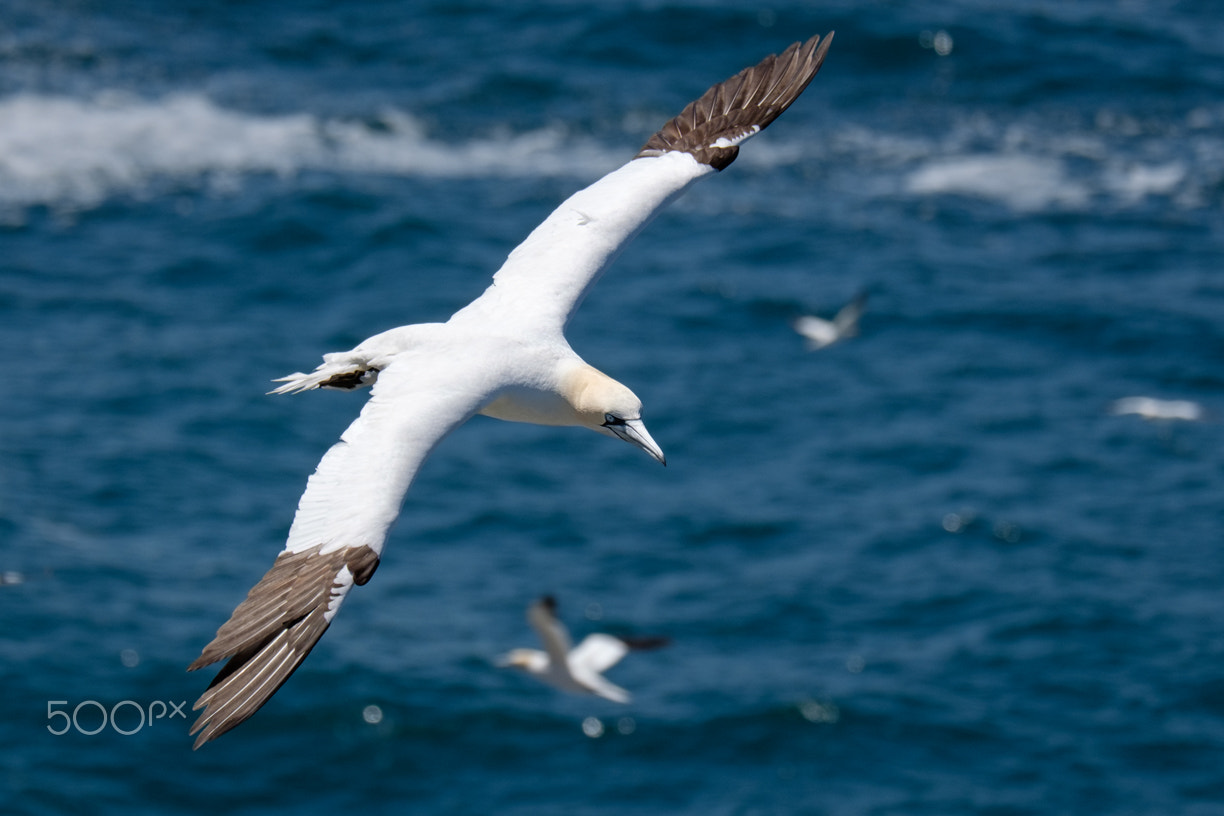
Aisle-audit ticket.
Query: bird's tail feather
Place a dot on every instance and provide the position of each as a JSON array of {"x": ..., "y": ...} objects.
[{"x": 344, "y": 370}]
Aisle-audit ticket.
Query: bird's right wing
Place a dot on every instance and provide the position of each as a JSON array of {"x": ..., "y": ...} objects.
[
  {"x": 337, "y": 536},
  {"x": 542, "y": 615},
  {"x": 847, "y": 317}
]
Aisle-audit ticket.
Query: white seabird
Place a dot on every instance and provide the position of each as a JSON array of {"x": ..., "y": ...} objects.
[
  {"x": 1152, "y": 408},
  {"x": 503, "y": 355},
  {"x": 575, "y": 669},
  {"x": 820, "y": 332}
]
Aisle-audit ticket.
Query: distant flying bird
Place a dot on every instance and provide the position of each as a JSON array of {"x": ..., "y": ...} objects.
[
  {"x": 845, "y": 323},
  {"x": 1151, "y": 408},
  {"x": 576, "y": 669},
  {"x": 503, "y": 355}
]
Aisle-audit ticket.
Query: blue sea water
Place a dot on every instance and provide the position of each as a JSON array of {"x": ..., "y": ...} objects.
[{"x": 923, "y": 571}]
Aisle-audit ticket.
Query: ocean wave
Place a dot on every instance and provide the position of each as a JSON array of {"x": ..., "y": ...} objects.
[
  {"x": 1037, "y": 161},
  {"x": 70, "y": 153},
  {"x": 75, "y": 153},
  {"x": 1023, "y": 182}
]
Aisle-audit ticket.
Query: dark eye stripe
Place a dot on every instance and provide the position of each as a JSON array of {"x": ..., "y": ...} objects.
[{"x": 609, "y": 419}]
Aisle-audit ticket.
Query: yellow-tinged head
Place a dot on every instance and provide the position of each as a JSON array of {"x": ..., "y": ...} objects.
[{"x": 605, "y": 405}]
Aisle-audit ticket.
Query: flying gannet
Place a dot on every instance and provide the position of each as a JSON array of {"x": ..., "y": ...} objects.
[
  {"x": 845, "y": 323},
  {"x": 503, "y": 355},
  {"x": 576, "y": 669},
  {"x": 1152, "y": 408}
]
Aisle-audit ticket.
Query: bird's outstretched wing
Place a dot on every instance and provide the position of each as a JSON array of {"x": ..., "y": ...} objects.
[
  {"x": 847, "y": 318},
  {"x": 542, "y": 615},
  {"x": 336, "y": 539},
  {"x": 546, "y": 277},
  {"x": 598, "y": 652}
]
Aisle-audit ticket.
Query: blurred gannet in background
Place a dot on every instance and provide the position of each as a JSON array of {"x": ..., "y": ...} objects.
[
  {"x": 503, "y": 355},
  {"x": 821, "y": 332},
  {"x": 1152, "y": 408},
  {"x": 576, "y": 669}
]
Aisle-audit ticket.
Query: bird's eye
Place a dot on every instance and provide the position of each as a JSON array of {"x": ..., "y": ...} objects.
[{"x": 609, "y": 419}]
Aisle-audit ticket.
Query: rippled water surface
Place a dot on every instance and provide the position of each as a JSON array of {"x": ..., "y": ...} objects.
[{"x": 922, "y": 571}]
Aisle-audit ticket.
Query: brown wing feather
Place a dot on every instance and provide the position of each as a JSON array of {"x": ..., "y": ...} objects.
[
  {"x": 271, "y": 633},
  {"x": 738, "y": 107}
]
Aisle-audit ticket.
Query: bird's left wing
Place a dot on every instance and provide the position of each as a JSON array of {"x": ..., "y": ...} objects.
[
  {"x": 601, "y": 652},
  {"x": 546, "y": 277},
  {"x": 337, "y": 536}
]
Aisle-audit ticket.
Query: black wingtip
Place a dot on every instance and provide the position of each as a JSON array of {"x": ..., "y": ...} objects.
[
  {"x": 711, "y": 127},
  {"x": 646, "y": 643}
]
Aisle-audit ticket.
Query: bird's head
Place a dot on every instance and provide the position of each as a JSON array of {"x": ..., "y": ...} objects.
[
  {"x": 529, "y": 660},
  {"x": 608, "y": 407}
]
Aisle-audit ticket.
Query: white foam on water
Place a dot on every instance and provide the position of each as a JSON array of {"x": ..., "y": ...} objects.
[
  {"x": 72, "y": 153},
  {"x": 1133, "y": 181},
  {"x": 1044, "y": 161},
  {"x": 1023, "y": 182}
]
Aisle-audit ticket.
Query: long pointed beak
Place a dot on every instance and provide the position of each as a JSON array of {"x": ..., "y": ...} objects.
[{"x": 632, "y": 430}]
